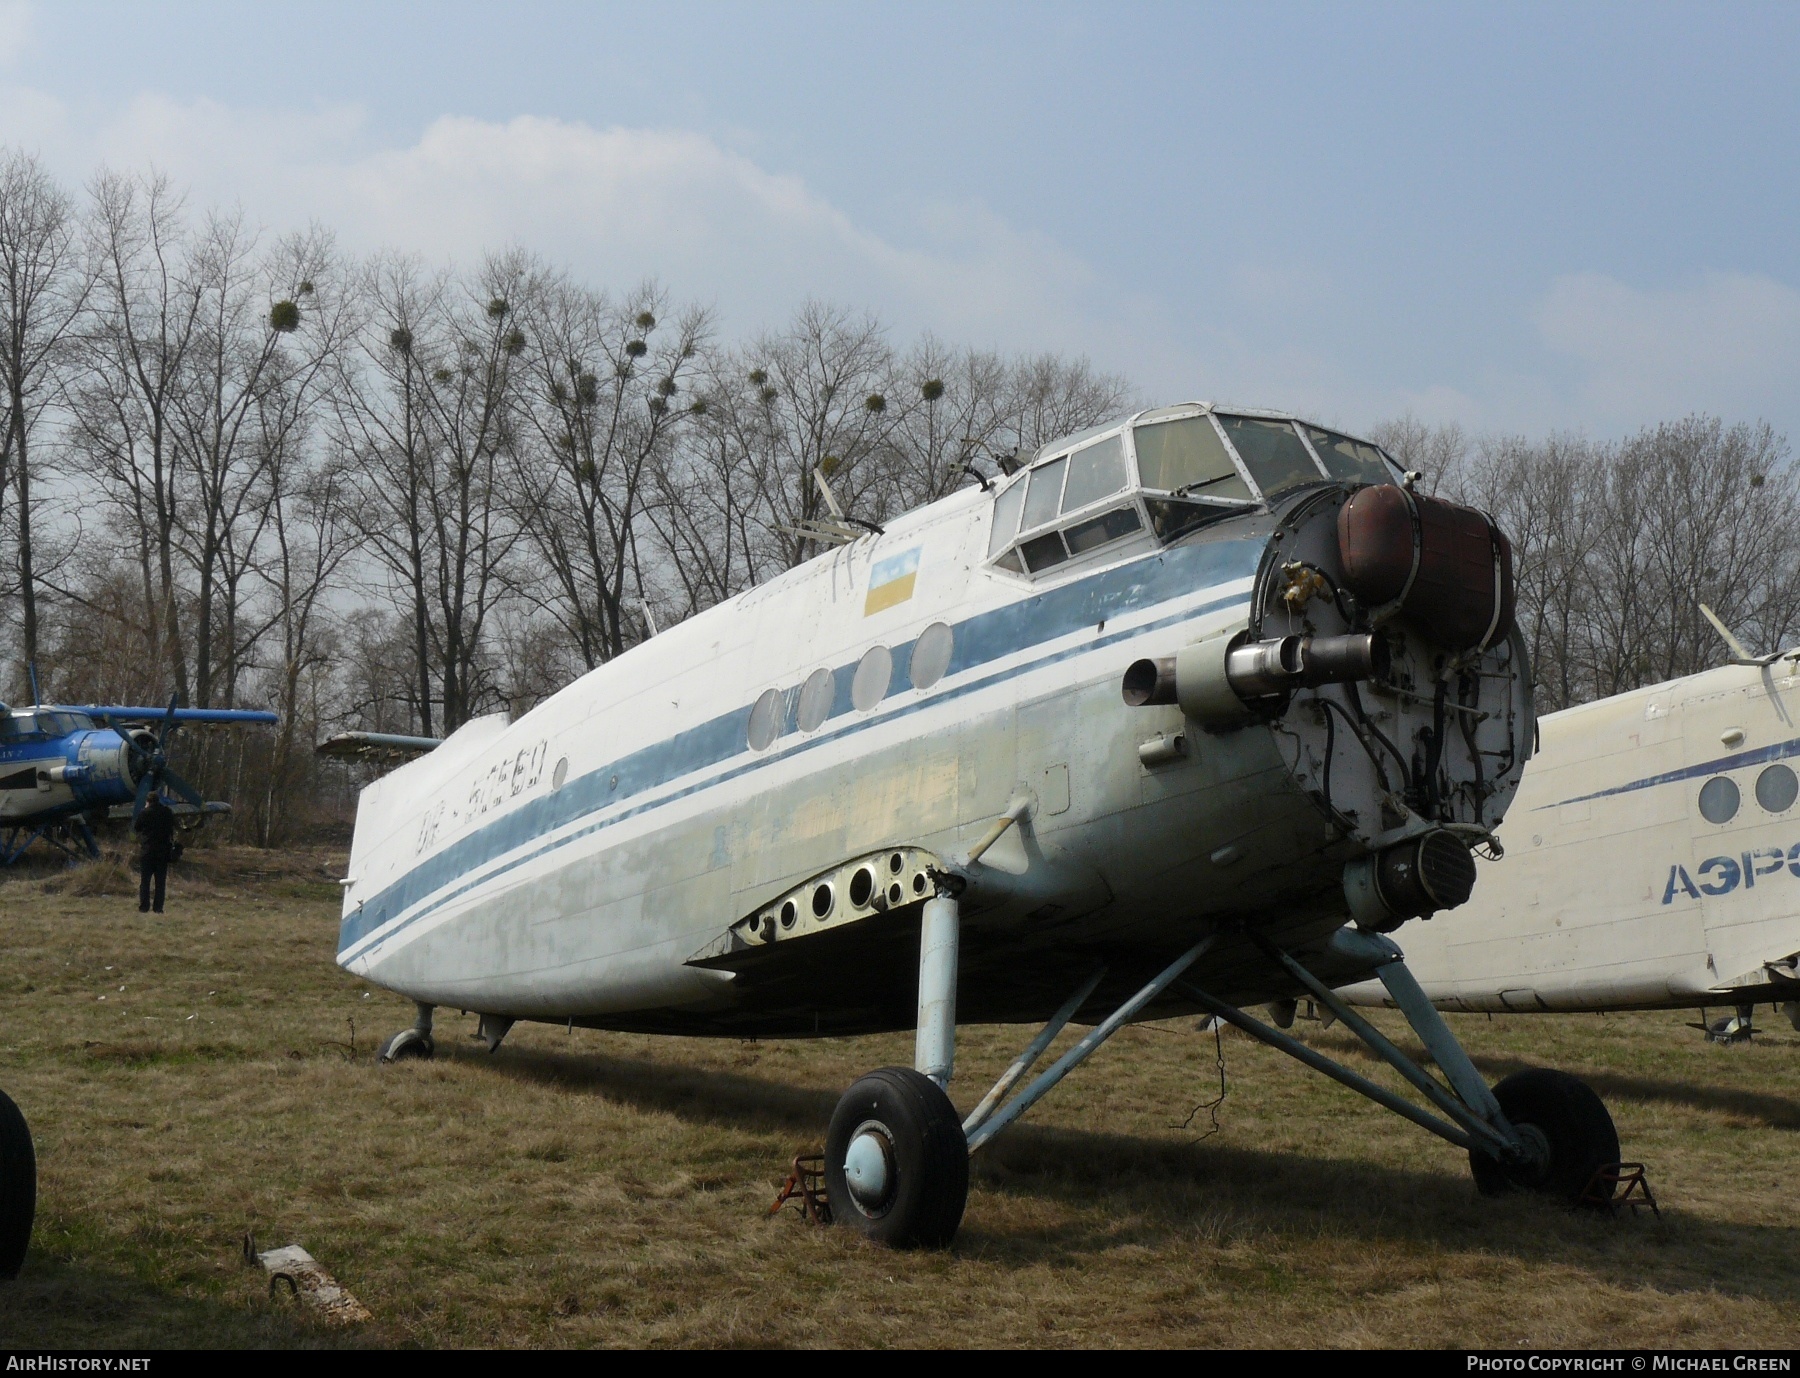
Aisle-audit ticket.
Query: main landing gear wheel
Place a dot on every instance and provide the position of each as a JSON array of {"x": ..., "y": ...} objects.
[
  {"x": 408, "y": 1044},
  {"x": 896, "y": 1161},
  {"x": 18, "y": 1188},
  {"x": 1562, "y": 1117}
]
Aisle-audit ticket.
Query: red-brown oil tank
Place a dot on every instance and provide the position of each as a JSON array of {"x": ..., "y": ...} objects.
[{"x": 1448, "y": 567}]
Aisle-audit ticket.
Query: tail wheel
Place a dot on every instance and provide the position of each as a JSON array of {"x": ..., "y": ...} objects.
[
  {"x": 1566, "y": 1122},
  {"x": 405, "y": 1045},
  {"x": 896, "y": 1161},
  {"x": 18, "y": 1188}
]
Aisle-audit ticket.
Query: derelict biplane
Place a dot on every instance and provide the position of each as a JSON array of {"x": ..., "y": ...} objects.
[
  {"x": 1124, "y": 735},
  {"x": 65, "y": 768}
]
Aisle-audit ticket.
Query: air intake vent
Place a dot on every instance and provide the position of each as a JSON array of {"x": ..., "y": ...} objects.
[
  {"x": 1446, "y": 869},
  {"x": 1425, "y": 875}
]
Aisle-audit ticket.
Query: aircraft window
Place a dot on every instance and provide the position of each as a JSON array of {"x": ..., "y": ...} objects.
[
  {"x": 19, "y": 725},
  {"x": 1776, "y": 789},
  {"x": 765, "y": 720},
  {"x": 1011, "y": 561},
  {"x": 1097, "y": 531},
  {"x": 815, "y": 700},
  {"x": 1187, "y": 456},
  {"x": 1043, "y": 552},
  {"x": 1046, "y": 492},
  {"x": 1273, "y": 453},
  {"x": 561, "y": 775},
  {"x": 1095, "y": 473},
  {"x": 1719, "y": 799},
  {"x": 1347, "y": 459},
  {"x": 931, "y": 655},
  {"x": 1169, "y": 519},
  {"x": 1006, "y": 516},
  {"x": 872, "y": 675}
]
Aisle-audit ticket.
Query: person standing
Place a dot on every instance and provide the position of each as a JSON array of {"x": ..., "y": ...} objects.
[{"x": 156, "y": 826}]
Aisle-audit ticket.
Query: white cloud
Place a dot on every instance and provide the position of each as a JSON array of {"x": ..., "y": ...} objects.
[
  {"x": 616, "y": 205},
  {"x": 1726, "y": 342}
]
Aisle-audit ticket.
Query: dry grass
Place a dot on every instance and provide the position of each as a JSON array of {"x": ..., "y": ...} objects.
[{"x": 191, "y": 1076}]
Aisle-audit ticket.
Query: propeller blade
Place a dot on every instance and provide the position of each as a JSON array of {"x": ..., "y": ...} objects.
[
  {"x": 145, "y": 781},
  {"x": 173, "y": 781}
]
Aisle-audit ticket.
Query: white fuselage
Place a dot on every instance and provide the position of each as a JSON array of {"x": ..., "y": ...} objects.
[
  {"x": 1616, "y": 890},
  {"x": 688, "y": 838}
]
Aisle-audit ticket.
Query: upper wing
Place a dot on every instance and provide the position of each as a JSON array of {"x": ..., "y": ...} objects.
[
  {"x": 376, "y": 746},
  {"x": 127, "y": 714}
]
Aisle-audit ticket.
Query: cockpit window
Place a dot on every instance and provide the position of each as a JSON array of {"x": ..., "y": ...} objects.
[
  {"x": 1006, "y": 517},
  {"x": 1097, "y": 531},
  {"x": 1170, "y": 518},
  {"x": 1353, "y": 461},
  {"x": 1085, "y": 502},
  {"x": 1272, "y": 452},
  {"x": 1046, "y": 493},
  {"x": 1187, "y": 456},
  {"x": 1095, "y": 473}
]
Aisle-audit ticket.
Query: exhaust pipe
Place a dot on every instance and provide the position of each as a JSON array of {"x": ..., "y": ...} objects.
[{"x": 1215, "y": 680}]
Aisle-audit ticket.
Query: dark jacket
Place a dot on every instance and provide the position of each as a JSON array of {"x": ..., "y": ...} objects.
[{"x": 156, "y": 826}]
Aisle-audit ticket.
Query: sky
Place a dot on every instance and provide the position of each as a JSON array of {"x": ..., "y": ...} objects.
[{"x": 1517, "y": 217}]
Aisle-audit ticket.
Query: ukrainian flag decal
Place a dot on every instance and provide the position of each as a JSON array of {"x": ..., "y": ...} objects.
[{"x": 891, "y": 581}]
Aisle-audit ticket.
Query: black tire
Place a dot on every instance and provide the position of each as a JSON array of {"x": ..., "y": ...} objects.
[
  {"x": 18, "y": 1188},
  {"x": 1574, "y": 1123},
  {"x": 405, "y": 1045},
  {"x": 928, "y": 1157}
]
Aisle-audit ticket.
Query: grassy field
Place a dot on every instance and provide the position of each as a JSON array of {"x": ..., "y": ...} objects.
[{"x": 196, "y": 1075}]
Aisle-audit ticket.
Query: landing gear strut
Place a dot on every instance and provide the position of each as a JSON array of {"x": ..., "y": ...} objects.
[
  {"x": 896, "y": 1161},
  {"x": 414, "y": 1042}
]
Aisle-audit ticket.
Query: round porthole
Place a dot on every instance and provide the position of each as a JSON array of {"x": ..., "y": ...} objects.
[
  {"x": 815, "y": 700},
  {"x": 789, "y": 914},
  {"x": 931, "y": 655},
  {"x": 872, "y": 676},
  {"x": 765, "y": 720},
  {"x": 1776, "y": 788},
  {"x": 821, "y": 901},
  {"x": 561, "y": 774},
  {"x": 862, "y": 885},
  {"x": 1719, "y": 799}
]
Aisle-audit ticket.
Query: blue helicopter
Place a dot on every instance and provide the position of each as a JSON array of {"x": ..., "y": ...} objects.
[{"x": 63, "y": 768}]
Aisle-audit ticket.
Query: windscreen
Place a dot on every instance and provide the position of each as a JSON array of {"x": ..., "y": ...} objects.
[
  {"x": 1187, "y": 456},
  {"x": 1353, "y": 461},
  {"x": 1095, "y": 473},
  {"x": 1046, "y": 492},
  {"x": 1272, "y": 451}
]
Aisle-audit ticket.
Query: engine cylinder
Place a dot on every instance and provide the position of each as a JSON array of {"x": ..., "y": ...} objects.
[{"x": 1447, "y": 567}]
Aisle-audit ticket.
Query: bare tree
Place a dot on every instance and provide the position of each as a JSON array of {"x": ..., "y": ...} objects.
[
  {"x": 44, "y": 283},
  {"x": 430, "y": 416},
  {"x": 1053, "y": 397},
  {"x": 601, "y": 412},
  {"x": 145, "y": 318}
]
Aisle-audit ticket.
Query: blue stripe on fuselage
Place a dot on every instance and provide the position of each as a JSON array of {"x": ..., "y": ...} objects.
[
  {"x": 1759, "y": 756},
  {"x": 979, "y": 640}
]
